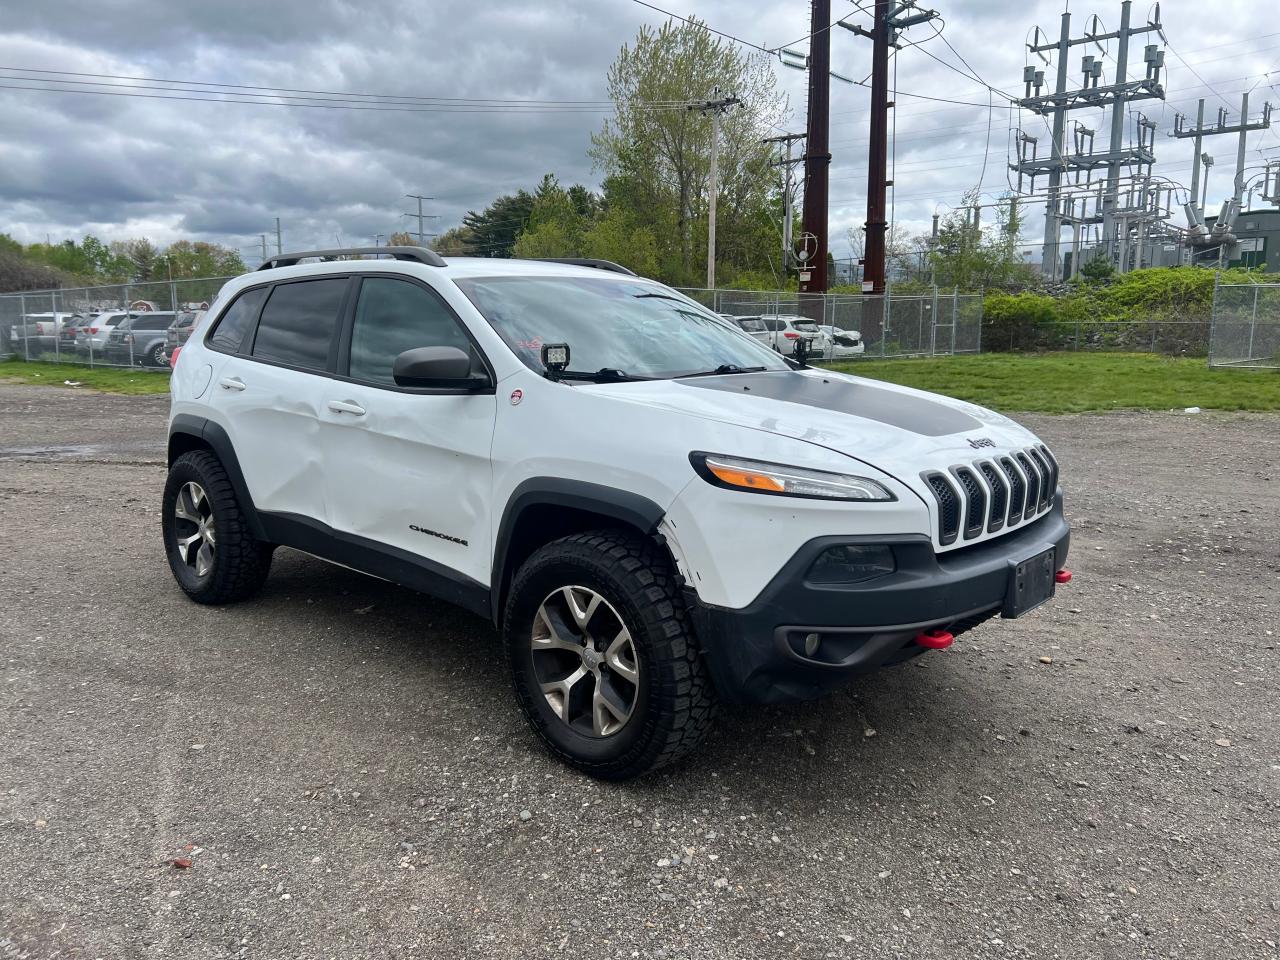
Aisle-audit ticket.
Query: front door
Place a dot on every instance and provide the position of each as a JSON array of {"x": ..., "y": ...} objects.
[{"x": 408, "y": 468}]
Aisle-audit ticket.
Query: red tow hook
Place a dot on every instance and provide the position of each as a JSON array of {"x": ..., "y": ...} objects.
[
  {"x": 935, "y": 639},
  {"x": 1062, "y": 576}
]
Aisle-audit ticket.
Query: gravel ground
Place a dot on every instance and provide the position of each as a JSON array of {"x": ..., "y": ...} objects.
[{"x": 345, "y": 768}]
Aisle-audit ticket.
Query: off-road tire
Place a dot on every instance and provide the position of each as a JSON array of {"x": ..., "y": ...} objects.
[
  {"x": 241, "y": 562},
  {"x": 675, "y": 705}
]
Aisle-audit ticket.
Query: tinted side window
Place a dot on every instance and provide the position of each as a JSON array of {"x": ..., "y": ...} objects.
[
  {"x": 152, "y": 323},
  {"x": 393, "y": 316},
  {"x": 299, "y": 321},
  {"x": 770, "y": 323},
  {"x": 231, "y": 328}
]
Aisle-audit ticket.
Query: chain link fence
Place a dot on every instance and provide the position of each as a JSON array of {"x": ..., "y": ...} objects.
[
  {"x": 85, "y": 324},
  {"x": 1246, "y": 326},
  {"x": 937, "y": 323}
]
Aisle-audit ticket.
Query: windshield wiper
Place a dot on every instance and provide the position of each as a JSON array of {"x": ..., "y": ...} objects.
[
  {"x": 725, "y": 368},
  {"x": 603, "y": 375},
  {"x": 657, "y": 296}
]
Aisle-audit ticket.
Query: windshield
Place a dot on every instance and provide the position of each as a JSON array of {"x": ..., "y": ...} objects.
[{"x": 639, "y": 328}]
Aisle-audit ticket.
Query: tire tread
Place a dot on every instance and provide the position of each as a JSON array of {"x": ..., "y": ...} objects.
[{"x": 682, "y": 692}]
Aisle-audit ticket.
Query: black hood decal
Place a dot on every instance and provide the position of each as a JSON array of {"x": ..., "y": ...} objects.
[{"x": 916, "y": 414}]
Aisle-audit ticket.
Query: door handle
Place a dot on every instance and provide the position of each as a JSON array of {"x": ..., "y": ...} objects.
[
  {"x": 231, "y": 383},
  {"x": 346, "y": 406}
]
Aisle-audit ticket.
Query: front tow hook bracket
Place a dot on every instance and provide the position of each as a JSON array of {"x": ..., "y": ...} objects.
[{"x": 935, "y": 639}]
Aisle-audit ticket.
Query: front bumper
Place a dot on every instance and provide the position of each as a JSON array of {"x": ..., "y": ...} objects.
[{"x": 755, "y": 654}]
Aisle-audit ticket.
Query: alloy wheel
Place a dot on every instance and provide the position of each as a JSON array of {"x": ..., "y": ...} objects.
[
  {"x": 585, "y": 661},
  {"x": 194, "y": 530}
]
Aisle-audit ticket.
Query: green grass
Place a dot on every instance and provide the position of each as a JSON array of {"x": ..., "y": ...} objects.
[
  {"x": 106, "y": 379},
  {"x": 1040, "y": 383},
  {"x": 1080, "y": 382}
]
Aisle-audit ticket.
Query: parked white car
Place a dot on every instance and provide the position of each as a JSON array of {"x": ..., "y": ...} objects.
[
  {"x": 781, "y": 331},
  {"x": 844, "y": 343},
  {"x": 655, "y": 510}
]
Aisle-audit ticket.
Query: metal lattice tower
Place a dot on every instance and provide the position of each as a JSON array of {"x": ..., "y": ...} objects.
[{"x": 1061, "y": 160}]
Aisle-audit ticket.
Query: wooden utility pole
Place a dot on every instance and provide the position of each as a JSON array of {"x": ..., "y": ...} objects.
[
  {"x": 817, "y": 159},
  {"x": 715, "y": 108},
  {"x": 877, "y": 158}
]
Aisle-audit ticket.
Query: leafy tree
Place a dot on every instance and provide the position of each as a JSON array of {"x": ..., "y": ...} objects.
[
  {"x": 971, "y": 257},
  {"x": 616, "y": 236},
  {"x": 188, "y": 260},
  {"x": 493, "y": 232},
  {"x": 402, "y": 239},
  {"x": 452, "y": 243},
  {"x": 557, "y": 221},
  {"x": 143, "y": 255},
  {"x": 656, "y": 153}
]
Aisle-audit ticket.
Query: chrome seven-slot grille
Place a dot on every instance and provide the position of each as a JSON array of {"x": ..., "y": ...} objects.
[{"x": 988, "y": 495}]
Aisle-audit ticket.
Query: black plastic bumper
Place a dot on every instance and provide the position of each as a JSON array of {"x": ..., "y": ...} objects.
[{"x": 756, "y": 654}]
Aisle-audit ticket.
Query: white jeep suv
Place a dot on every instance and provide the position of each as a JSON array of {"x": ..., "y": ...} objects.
[{"x": 657, "y": 511}]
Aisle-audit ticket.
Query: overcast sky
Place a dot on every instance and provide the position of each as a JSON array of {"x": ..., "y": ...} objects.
[{"x": 121, "y": 167}]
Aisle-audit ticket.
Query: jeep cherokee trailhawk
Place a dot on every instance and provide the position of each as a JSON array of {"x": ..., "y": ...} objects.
[{"x": 657, "y": 511}]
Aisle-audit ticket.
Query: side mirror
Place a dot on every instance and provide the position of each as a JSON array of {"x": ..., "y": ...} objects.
[{"x": 437, "y": 367}]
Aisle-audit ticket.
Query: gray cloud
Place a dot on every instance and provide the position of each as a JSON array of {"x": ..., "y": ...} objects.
[{"x": 122, "y": 166}]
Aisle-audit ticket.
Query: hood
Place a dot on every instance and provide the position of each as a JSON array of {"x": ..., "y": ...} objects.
[{"x": 896, "y": 429}]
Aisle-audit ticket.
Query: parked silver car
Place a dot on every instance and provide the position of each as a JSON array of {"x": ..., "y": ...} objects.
[{"x": 91, "y": 340}]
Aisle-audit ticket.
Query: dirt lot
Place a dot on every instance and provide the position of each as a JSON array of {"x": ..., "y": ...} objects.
[{"x": 1100, "y": 779}]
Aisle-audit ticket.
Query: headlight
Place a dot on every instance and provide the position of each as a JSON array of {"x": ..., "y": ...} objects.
[{"x": 783, "y": 481}]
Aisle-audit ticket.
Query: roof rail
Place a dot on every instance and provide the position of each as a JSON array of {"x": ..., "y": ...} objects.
[
  {"x": 589, "y": 262},
  {"x": 420, "y": 254}
]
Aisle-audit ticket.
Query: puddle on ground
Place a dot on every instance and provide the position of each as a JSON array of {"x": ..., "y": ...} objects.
[{"x": 65, "y": 452}]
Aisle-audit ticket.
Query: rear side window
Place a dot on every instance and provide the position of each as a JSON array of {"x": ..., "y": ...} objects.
[
  {"x": 229, "y": 333},
  {"x": 299, "y": 321},
  {"x": 393, "y": 316},
  {"x": 152, "y": 323}
]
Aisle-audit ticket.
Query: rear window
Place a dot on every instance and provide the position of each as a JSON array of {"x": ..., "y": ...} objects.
[
  {"x": 807, "y": 327},
  {"x": 299, "y": 321},
  {"x": 752, "y": 325},
  {"x": 230, "y": 331}
]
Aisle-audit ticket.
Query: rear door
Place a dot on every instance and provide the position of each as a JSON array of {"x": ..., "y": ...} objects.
[
  {"x": 270, "y": 389},
  {"x": 408, "y": 468}
]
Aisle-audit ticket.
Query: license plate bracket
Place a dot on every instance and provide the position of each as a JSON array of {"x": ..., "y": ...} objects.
[{"x": 1031, "y": 583}]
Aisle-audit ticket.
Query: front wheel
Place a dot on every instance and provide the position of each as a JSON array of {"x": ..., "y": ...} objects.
[{"x": 604, "y": 662}]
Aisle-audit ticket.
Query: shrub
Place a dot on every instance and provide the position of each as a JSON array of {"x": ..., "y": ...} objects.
[{"x": 1019, "y": 321}]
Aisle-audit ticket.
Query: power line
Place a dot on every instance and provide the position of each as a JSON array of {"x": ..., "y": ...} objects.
[
  {"x": 699, "y": 23},
  {"x": 346, "y": 94},
  {"x": 125, "y": 91},
  {"x": 1193, "y": 72}
]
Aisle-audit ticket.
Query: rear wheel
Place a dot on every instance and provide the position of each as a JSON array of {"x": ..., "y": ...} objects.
[
  {"x": 603, "y": 659},
  {"x": 213, "y": 554},
  {"x": 155, "y": 357}
]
